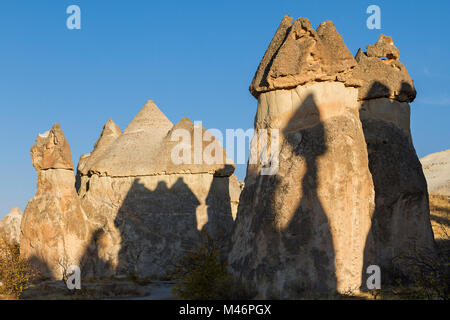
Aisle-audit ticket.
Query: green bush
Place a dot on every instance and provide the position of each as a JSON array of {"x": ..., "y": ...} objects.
[{"x": 202, "y": 274}]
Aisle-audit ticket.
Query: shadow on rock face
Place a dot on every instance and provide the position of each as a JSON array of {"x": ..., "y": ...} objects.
[
  {"x": 220, "y": 219},
  {"x": 160, "y": 225},
  {"x": 400, "y": 222},
  {"x": 307, "y": 232},
  {"x": 44, "y": 271},
  {"x": 281, "y": 223},
  {"x": 156, "y": 225}
]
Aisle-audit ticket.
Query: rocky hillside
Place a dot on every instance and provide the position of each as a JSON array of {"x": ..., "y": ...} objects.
[
  {"x": 10, "y": 226},
  {"x": 436, "y": 167}
]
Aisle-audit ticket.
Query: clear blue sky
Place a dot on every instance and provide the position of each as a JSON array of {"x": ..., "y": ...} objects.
[{"x": 196, "y": 59}]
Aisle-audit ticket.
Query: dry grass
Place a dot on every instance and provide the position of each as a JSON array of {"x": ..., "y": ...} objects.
[
  {"x": 432, "y": 283},
  {"x": 428, "y": 275},
  {"x": 16, "y": 274},
  {"x": 92, "y": 290},
  {"x": 440, "y": 220}
]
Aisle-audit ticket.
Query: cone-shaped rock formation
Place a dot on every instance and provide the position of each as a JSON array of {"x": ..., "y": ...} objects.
[
  {"x": 349, "y": 191},
  {"x": 401, "y": 218},
  {"x": 10, "y": 227},
  {"x": 304, "y": 228},
  {"x": 151, "y": 191},
  {"x": 298, "y": 54},
  {"x": 110, "y": 133}
]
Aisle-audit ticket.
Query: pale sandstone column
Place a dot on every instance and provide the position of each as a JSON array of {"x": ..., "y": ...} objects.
[
  {"x": 302, "y": 231},
  {"x": 55, "y": 230}
]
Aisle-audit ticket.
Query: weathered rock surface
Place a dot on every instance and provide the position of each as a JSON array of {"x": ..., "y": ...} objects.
[
  {"x": 128, "y": 155},
  {"x": 384, "y": 48},
  {"x": 55, "y": 230},
  {"x": 146, "y": 210},
  {"x": 110, "y": 133},
  {"x": 401, "y": 219},
  {"x": 10, "y": 226},
  {"x": 51, "y": 151},
  {"x": 349, "y": 191},
  {"x": 304, "y": 228},
  {"x": 382, "y": 78},
  {"x": 436, "y": 168},
  {"x": 146, "y": 145},
  {"x": 298, "y": 54}
]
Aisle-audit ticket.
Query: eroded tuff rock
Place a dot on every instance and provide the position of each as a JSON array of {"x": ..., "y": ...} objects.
[
  {"x": 51, "y": 151},
  {"x": 436, "y": 168},
  {"x": 298, "y": 54},
  {"x": 304, "y": 228},
  {"x": 349, "y": 191},
  {"x": 382, "y": 78},
  {"x": 55, "y": 230},
  {"x": 401, "y": 218},
  {"x": 146, "y": 145},
  {"x": 110, "y": 133},
  {"x": 147, "y": 210},
  {"x": 384, "y": 48},
  {"x": 10, "y": 226}
]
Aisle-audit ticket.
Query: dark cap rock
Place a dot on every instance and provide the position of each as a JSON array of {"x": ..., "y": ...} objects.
[
  {"x": 383, "y": 78},
  {"x": 298, "y": 54},
  {"x": 52, "y": 151}
]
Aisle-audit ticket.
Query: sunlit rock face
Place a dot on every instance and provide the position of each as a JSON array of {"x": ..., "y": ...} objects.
[
  {"x": 303, "y": 230},
  {"x": 436, "y": 168},
  {"x": 145, "y": 210},
  {"x": 298, "y": 54},
  {"x": 10, "y": 227},
  {"x": 401, "y": 219},
  {"x": 349, "y": 191},
  {"x": 55, "y": 230}
]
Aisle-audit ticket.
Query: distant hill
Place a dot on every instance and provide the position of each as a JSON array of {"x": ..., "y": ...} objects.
[{"x": 436, "y": 168}]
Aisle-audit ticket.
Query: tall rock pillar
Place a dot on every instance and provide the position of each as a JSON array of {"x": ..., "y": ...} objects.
[
  {"x": 401, "y": 220},
  {"x": 55, "y": 230},
  {"x": 302, "y": 231}
]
